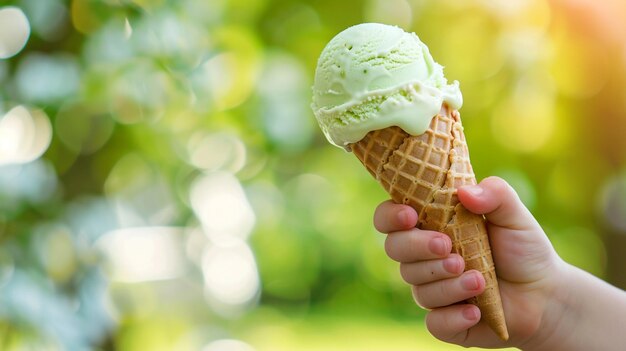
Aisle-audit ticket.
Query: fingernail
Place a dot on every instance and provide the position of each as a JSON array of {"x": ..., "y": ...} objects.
[
  {"x": 452, "y": 265},
  {"x": 403, "y": 217},
  {"x": 470, "y": 313},
  {"x": 473, "y": 189},
  {"x": 470, "y": 282},
  {"x": 439, "y": 246}
]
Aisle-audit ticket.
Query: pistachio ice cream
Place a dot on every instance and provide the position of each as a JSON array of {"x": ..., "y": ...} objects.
[{"x": 372, "y": 76}]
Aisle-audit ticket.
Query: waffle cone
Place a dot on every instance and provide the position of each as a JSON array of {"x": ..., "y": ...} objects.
[{"x": 424, "y": 172}]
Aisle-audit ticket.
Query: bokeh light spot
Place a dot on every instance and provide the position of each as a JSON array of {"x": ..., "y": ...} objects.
[
  {"x": 195, "y": 244},
  {"x": 475, "y": 35},
  {"x": 24, "y": 135},
  {"x": 144, "y": 83},
  {"x": 143, "y": 253},
  {"x": 90, "y": 218},
  {"x": 394, "y": 12},
  {"x": 140, "y": 193},
  {"x": 84, "y": 16},
  {"x": 14, "y": 31},
  {"x": 230, "y": 274},
  {"x": 83, "y": 128},
  {"x": 284, "y": 93},
  {"x": 525, "y": 48},
  {"x": 49, "y": 19},
  {"x": 579, "y": 73},
  {"x": 217, "y": 78},
  {"x": 217, "y": 151},
  {"x": 56, "y": 251},
  {"x": 34, "y": 182},
  {"x": 109, "y": 47},
  {"x": 219, "y": 202},
  {"x": 170, "y": 35},
  {"x": 44, "y": 78},
  {"x": 525, "y": 122},
  {"x": 227, "y": 79}
]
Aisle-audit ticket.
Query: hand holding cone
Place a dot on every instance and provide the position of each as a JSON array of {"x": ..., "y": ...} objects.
[{"x": 425, "y": 172}]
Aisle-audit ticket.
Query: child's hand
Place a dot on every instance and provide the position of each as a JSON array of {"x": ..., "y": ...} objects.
[{"x": 529, "y": 270}]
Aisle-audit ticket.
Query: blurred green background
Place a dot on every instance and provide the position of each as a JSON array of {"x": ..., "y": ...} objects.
[{"x": 164, "y": 185}]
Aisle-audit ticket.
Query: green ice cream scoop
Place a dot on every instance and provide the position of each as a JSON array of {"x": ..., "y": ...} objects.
[{"x": 373, "y": 76}]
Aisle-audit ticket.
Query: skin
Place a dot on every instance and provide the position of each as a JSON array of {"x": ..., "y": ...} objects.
[{"x": 548, "y": 304}]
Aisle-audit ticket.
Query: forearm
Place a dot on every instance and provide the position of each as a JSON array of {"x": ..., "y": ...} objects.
[{"x": 587, "y": 314}]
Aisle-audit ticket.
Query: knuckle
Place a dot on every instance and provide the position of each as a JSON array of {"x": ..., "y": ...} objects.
[
  {"x": 378, "y": 225},
  {"x": 383, "y": 206},
  {"x": 418, "y": 297},
  {"x": 446, "y": 322},
  {"x": 443, "y": 327},
  {"x": 414, "y": 273},
  {"x": 443, "y": 289},
  {"x": 396, "y": 247},
  {"x": 380, "y": 214},
  {"x": 389, "y": 247},
  {"x": 405, "y": 273},
  {"x": 414, "y": 244},
  {"x": 378, "y": 222},
  {"x": 432, "y": 325}
]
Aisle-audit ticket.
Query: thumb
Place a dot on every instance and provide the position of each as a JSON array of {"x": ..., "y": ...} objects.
[
  {"x": 521, "y": 249},
  {"x": 500, "y": 204}
]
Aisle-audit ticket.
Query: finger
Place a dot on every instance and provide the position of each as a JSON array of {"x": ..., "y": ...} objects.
[
  {"x": 417, "y": 245},
  {"x": 500, "y": 204},
  {"x": 449, "y": 291},
  {"x": 418, "y": 273},
  {"x": 392, "y": 217},
  {"x": 451, "y": 323}
]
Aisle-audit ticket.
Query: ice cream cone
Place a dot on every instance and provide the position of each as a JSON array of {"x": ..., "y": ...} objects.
[{"x": 424, "y": 172}]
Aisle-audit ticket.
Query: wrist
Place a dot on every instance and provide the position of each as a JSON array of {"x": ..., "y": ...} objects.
[{"x": 557, "y": 325}]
